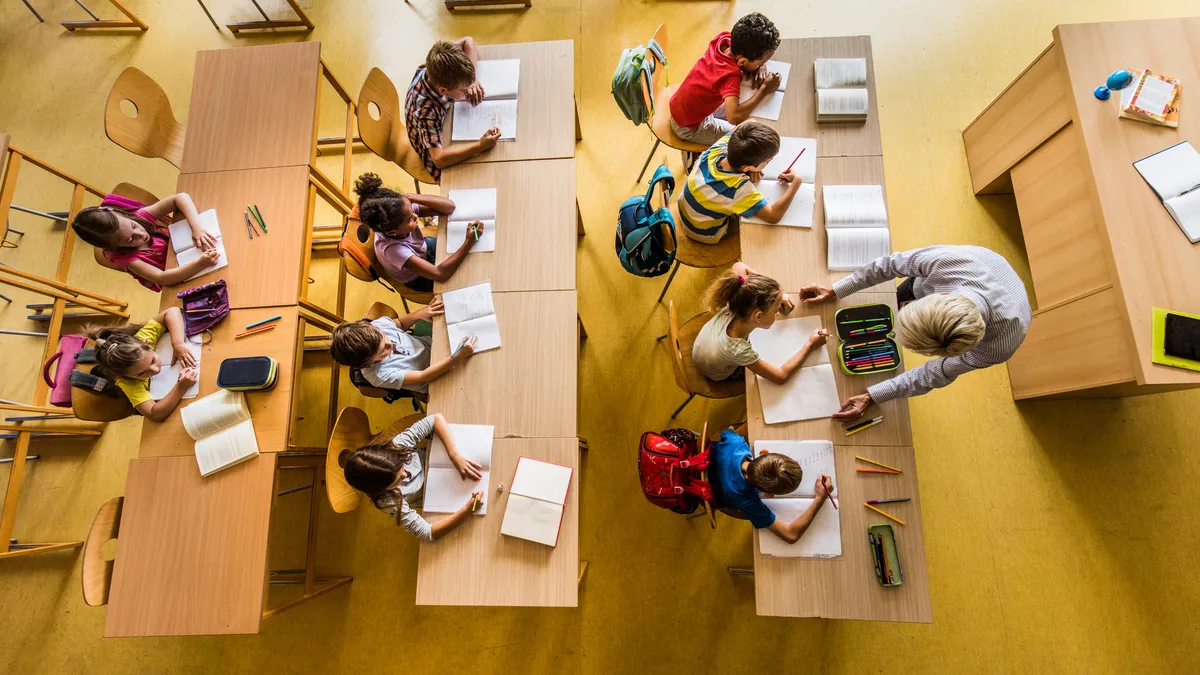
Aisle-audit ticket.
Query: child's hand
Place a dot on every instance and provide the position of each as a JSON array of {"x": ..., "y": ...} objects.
[
  {"x": 755, "y": 175},
  {"x": 207, "y": 259},
  {"x": 772, "y": 82},
  {"x": 182, "y": 355},
  {"x": 466, "y": 468},
  {"x": 465, "y": 351},
  {"x": 188, "y": 377},
  {"x": 476, "y": 495},
  {"x": 759, "y": 77},
  {"x": 789, "y": 177},
  {"x": 203, "y": 240},
  {"x": 434, "y": 308},
  {"x": 786, "y": 306},
  {"x": 823, "y": 486},
  {"x": 475, "y": 93},
  {"x": 488, "y": 140},
  {"x": 474, "y": 232},
  {"x": 818, "y": 337}
]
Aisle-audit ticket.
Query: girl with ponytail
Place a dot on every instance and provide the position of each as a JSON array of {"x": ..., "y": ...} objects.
[{"x": 127, "y": 354}]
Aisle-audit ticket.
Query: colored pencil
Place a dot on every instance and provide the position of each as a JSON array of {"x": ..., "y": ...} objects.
[
  {"x": 258, "y": 216},
  {"x": 474, "y": 502},
  {"x": 862, "y": 470},
  {"x": 255, "y": 331},
  {"x": 871, "y": 461},
  {"x": 888, "y": 501},
  {"x": 259, "y": 323},
  {"x": 884, "y": 514},
  {"x": 249, "y": 230},
  {"x": 460, "y": 346},
  {"x": 863, "y": 425},
  {"x": 795, "y": 160},
  {"x": 829, "y": 491},
  {"x": 859, "y": 321}
]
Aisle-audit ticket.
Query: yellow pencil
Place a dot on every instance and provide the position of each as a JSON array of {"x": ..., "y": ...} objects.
[
  {"x": 475, "y": 502},
  {"x": 871, "y": 461},
  {"x": 885, "y": 515}
]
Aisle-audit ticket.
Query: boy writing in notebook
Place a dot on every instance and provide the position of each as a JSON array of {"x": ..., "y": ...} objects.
[
  {"x": 447, "y": 74},
  {"x": 738, "y": 478},
  {"x": 722, "y": 185},
  {"x": 706, "y": 105}
]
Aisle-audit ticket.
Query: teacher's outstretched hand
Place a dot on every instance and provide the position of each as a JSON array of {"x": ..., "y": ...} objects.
[
  {"x": 815, "y": 293},
  {"x": 853, "y": 408}
]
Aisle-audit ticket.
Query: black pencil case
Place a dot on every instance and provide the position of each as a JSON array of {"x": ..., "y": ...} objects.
[
  {"x": 248, "y": 373},
  {"x": 867, "y": 335}
]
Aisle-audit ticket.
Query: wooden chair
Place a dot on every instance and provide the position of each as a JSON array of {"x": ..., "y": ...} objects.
[
  {"x": 387, "y": 135},
  {"x": 97, "y": 572},
  {"x": 692, "y": 253},
  {"x": 352, "y": 430},
  {"x": 364, "y": 239},
  {"x": 686, "y": 376},
  {"x": 133, "y": 192},
  {"x": 708, "y": 508},
  {"x": 93, "y": 407},
  {"x": 660, "y": 121},
  {"x": 152, "y": 131},
  {"x": 419, "y": 400}
]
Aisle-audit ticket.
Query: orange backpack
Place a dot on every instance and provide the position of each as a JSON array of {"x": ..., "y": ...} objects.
[{"x": 357, "y": 250}]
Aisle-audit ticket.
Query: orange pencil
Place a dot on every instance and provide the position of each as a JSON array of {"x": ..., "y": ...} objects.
[
  {"x": 862, "y": 470},
  {"x": 254, "y": 331}
]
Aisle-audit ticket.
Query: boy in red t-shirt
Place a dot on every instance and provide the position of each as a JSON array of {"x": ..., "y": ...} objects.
[{"x": 697, "y": 114}]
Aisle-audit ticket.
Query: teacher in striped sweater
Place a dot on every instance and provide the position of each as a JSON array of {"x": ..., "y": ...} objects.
[{"x": 964, "y": 304}]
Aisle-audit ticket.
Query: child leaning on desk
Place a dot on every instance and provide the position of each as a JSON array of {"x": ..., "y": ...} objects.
[
  {"x": 392, "y": 474},
  {"x": 127, "y": 354},
  {"x": 407, "y": 256},
  {"x": 135, "y": 238},
  {"x": 743, "y": 301}
]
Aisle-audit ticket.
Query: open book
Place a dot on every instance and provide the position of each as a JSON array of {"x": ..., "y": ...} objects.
[
  {"x": 856, "y": 225},
  {"x": 536, "y": 501},
  {"x": 186, "y": 251},
  {"x": 445, "y": 488},
  {"x": 500, "y": 80},
  {"x": 221, "y": 426},
  {"x": 162, "y": 383},
  {"x": 770, "y": 107},
  {"x": 841, "y": 89},
  {"x": 812, "y": 391},
  {"x": 469, "y": 311},
  {"x": 469, "y": 206},
  {"x": 1174, "y": 174},
  {"x": 823, "y": 538},
  {"x": 800, "y": 212}
]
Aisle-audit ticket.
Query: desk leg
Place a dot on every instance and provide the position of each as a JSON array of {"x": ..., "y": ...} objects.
[
  {"x": 579, "y": 219},
  {"x": 18, "y": 550},
  {"x": 583, "y": 334},
  {"x": 741, "y": 571},
  {"x": 578, "y": 128},
  {"x": 583, "y": 444},
  {"x": 583, "y": 565}
]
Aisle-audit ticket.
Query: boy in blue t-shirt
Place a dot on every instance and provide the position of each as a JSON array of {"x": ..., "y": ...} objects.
[{"x": 738, "y": 477}]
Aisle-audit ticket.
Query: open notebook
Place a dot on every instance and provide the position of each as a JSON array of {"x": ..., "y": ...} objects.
[
  {"x": 536, "y": 501},
  {"x": 221, "y": 426},
  {"x": 445, "y": 488},
  {"x": 770, "y": 107},
  {"x": 812, "y": 391},
  {"x": 186, "y": 251},
  {"x": 469, "y": 311},
  {"x": 1174, "y": 175},
  {"x": 841, "y": 89},
  {"x": 162, "y": 383},
  {"x": 823, "y": 538},
  {"x": 469, "y": 206},
  {"x": 856, "y": 225},
  {"x": 800, "y": 212},
  {"x": 500, "y": 80}
]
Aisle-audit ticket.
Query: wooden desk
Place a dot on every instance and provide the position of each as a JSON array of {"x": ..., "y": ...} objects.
[
  {"x": 845, "y": 587},
  {"x": 253, "y": 108},
  {"x": 545, "y": 102},
  {"x": 799, "y": 114},
  {"x": 476, "y": 565},
  {"x": 1102, "y": 249},
  {"x": 535, "y": 237}
]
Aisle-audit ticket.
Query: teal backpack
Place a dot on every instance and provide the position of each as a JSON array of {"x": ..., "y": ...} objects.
[
  {"x": 645, "y": 234},
  {"x": 632, "y": 69}
]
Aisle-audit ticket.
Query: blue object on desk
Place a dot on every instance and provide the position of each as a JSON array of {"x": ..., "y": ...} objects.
[
  {"x": 1102, "y": 93},
  {"x": 1119, "y": 79}
]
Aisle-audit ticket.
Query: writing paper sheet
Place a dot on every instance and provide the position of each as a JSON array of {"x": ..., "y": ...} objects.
[
  {"x": 779, "y": 343},
  {"x": 1173, "y": 171},
  {"x": 472, "y": 122},
  {"x": 799, "y": 213},
  {"x": 499, "y": 78},
  {"x": 186, "y": 252},
  {"x": 814, "y": 457},
  {"x": 541, "y": 480},
  {"x": 1186, "y": 211},
  {"x": 456, "y": 236},
  {"x": 811, "y": 392},
  {"x": 162, "y": 383},
  {"x": 789, "y": 147},
  {"x": 445, "y": 489},
  {"x": 532, "y": 519},
  {"x": 485, "y": 329},
  {"x": 822, "y": 539},
  {"x": 470, "y": 206},
  {"x": 468, "y": 303},
  {"x": 770, "y": 107}
]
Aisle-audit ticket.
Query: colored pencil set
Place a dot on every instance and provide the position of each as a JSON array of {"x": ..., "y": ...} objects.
[
  {"x": 252, "y": 210},
  {"x": 867, "y": 345},
  {"x": 259, "y": 327}
]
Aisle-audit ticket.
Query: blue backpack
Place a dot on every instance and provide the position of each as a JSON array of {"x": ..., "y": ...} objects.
[{"x": 646, "y": 235}]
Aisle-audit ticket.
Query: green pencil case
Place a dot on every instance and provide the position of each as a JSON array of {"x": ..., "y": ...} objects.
[
  {"x": 882, "y": 541},
  {"x": 868, "y": 339},
  {"x": 248, "y": 373}
]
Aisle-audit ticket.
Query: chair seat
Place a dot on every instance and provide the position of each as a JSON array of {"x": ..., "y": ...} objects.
[
  {"x": 660, "y": 124},
  {"x": 700, "y": 385},
  {"x": 695, "y": 254}
]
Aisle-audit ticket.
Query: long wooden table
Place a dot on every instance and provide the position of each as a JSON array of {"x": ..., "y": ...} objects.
[
  {"x": 1102, "y": 250},
  {"x": 843, "y": 587}
]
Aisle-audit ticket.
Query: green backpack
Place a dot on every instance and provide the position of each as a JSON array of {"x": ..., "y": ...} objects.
[{"x": 627, "y": 80}]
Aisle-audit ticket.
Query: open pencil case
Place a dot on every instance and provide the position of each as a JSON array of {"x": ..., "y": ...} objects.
[
  {"x": 882, "y": 540},
  {"x": 868, "y": 339}
]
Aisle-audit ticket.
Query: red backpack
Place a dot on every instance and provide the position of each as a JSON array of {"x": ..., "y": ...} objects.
[{"x": 671, "y": 470}]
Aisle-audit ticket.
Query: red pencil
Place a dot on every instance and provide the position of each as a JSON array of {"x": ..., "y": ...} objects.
[
  {"x": 829, "y": 491},
  {"x": 795, "y": 160}
]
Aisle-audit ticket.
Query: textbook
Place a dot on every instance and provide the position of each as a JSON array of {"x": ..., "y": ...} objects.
[
  {"x": 800, "y": 212},
  {"x": 162, "y": 383},
  {"x": 536, "y": 501},
  {"x": 823, "y": 538},
  {"x": 1174, "y": 175},
  {"x": 469, "y": 206},
  {"x": 811, "y": 392},
  {"x": 469, "y": 311},
  {"x": 445, "y": 488},
  {"x": 770, "y": 107},
  {"x": 841, "y": 89},
  {"x": 186, "y": 251},
  {"x": 221, "y": 426},
  {"x": 856, "y": 225},
  {"x": 500, "y": 80},
  {"x": 1152, "y": 98}
]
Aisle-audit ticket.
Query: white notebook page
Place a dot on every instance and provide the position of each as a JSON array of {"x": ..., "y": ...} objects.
[
  {"x": 814, "y": 457},
  {"x": 162, "y": 383},
  {"x": 811, "y": 392},
  {"x": 799, "y": 213},
  {"x": 500, "y": 78},
  {"x": 472, "y": 122},
  {"x": 822, "y": 539},
  {"x": 445, "y": 488},
  {"x": 532, "y": 519}
]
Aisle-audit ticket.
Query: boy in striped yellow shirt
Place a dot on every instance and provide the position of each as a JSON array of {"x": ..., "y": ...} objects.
[{"x": 722, "y": 186}]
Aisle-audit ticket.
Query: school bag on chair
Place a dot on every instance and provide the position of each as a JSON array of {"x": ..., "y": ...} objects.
[
  {"x": 646, "y": 235},
  {"x": 673, "y": 474},
  {"x": 357, "y": 249},
  {"x": 637, "y": 64},
  {"x": 69, "y": 347}
]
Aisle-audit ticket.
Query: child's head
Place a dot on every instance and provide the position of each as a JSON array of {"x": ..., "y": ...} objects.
[
  {"x": 753, "y": 41},
  {"x": 122, "y": 354},
  {"x": 753, "y": 298},
  {"x": 111, "y": 227},
  {"x": 449, "y": 69},
  {"x": 374, "y": 468},
  {"x": 358, "y": 344},
  {"x": 382, "y": 209},
  {"x": 752, "y": 146},
  {"x": 940, "y": 325},
  {"x": 774, "y": 474}
]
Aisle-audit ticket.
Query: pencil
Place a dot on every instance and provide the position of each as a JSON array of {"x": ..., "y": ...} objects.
[
  {"x": 795, "y": 160},
  {"x": 258, "y": 216},
  {"x": 249, "y": 230},
  {"x": 888, "y": 501},
  {"x": 255, "y": 331},
  {"x": 885, "y": 515},
  {"x": 893, "y": 473},
  {"x": 855, "y": 428},
  {"x": 460, "y": 346},
  {"x": 829, "y": 491},
  {"x": 474, "y": 502},
  {"x": 259, "y": 323},
  {"x": 871, "y": 461}
]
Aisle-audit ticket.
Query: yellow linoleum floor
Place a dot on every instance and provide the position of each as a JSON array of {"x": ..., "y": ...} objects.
[{"x": 1060, "y": 535}]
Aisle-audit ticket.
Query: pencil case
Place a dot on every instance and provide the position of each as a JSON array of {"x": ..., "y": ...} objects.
[
  {"x": 248, "y": 373},
  {"x": 868, "y": 339},
  {"x": 882, "y": 540}
]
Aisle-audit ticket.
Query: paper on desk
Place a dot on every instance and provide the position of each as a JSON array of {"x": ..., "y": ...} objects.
[
  {"x": 445, "y": 488},
  {"x": 770, "y": 107},
  {"x": 456, "y": 235},
  {"x": 789, "y": 148},
  {"x": 475, "y": 204},
  {"x": 485, "y": 329},
  {"x": 799, "y": 212},
  {"x": 822, "y": 539},
  {"x": 812, "y": 391},
  {"x": 468, "y": 303},
  {"x": 814, "y": 457},
  {"x": 472, "y": 122},
  {"x": 162, "y": 383},
  {"x": 500, "y": 78}
]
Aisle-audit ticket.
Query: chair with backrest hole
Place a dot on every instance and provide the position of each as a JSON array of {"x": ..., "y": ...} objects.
[
  {"x": 686, "y": 376},
  {"x": 692, "y": 253},
  {"x": 152, "y": 130},
  {"x": 97, "y": 571},
  {"x": 381, "y": 126},
  {"x": 660, "y": 120}
]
